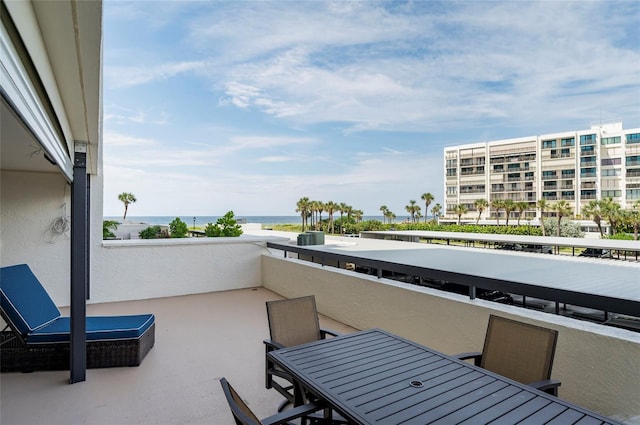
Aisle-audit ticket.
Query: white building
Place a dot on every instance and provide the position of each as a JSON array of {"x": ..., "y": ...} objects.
[{"x": 575, "y": 166}]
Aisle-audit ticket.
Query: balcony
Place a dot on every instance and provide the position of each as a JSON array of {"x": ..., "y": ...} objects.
[
  {"x": 199, "y": 338},
  {"x": 203, "y": 336}
]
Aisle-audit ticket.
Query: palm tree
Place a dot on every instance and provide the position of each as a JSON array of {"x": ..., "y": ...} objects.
[
  {"x": 319, "y": 207},
  {"x": 480, "y": 205},
  {"x": 436, "y": 210},
  {"x": 509, "y": 206},
  {"x": 460, "y": 209},
  {"x": 611, "y": 210},
  {"x": 127, "y": 198},
  {"x": 635, "y": 219},
  {"x": 303, "y": 208},
  {"x": 343, "y": 209},
  {"x": 384, "y": 210},
  {"x": 411, "y": 209},
  {"x": 497, "y": 205},
  {"x": 562, "y": 208},
  {"x": 427, "y": 198},
  {"x": 313, "y": 208},
  {"x": 357, "y": 215},
  {"x": 349, "y": 210},
  {"x": 331, "y": 208},
  {"x": 542, "y": 206},
  {"x": 521, "y": 207},
  {"x": 390, "y": 216},
  {"x": 594, "y": 212}
]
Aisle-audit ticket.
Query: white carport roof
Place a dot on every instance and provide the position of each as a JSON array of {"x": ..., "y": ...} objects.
[
  {"x": 602, "y": 284},
  {"x": 623, "y": 245}
]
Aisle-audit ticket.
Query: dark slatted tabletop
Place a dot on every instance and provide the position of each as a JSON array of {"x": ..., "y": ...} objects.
[{"x": 374, "y": 377}]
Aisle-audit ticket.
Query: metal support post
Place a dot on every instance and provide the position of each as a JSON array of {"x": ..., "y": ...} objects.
[{"x": 79, "y": 265}]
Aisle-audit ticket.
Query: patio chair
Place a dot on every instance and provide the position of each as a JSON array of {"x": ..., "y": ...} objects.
[
  {"x": 244, "y": 416},
  {"x": 519, "y": 351},
  {"x": 291, "y": 322},
  {"x": 39, "y": 337}
]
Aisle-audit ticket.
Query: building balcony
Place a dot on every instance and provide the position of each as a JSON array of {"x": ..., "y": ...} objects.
[{"x": 211, "y": 322}]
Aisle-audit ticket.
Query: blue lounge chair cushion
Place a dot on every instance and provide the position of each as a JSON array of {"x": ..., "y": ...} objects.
[
  {"x": 24, "y": 301},
  {"x": 99, "y": 328}
]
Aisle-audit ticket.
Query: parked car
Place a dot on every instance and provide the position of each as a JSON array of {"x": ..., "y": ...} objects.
[
  {"x": 545, "y": 249},
  {"x": 595, "y": 252}
]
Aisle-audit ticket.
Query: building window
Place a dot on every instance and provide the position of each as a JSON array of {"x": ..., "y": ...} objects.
[
  {"x": 633, "y": 138},
  {"x": 548, "y": 144},
  {"x": 568, "y": 142},
  {"x": 633, "y": 193},
  {"x": 451, "y": 190},
  {"x": 587, "y": 160},
  {"x": 568, "y": 174},
  {"x": 610, "y": 140},
  {"x": 633, "y": 172},
  {"x": 587, "y": 139},
  {"x": 587, "y": 172},
  {"x": 611, "y": 193},
  {"x": 611, "y": 161},
  {"x": 611, "y": 173},
  {"x": 633, "y": 160},
  {"x": 588, "y": 194},
  {"x": 451, "y": 172},
  {"x": 587, "y": 150},
  {"x": 547, "y": 175}
]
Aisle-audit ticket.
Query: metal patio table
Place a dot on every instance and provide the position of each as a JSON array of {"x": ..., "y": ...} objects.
[{"x": 376, "y": 377}]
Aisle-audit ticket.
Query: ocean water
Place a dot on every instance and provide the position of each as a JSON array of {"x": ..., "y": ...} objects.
[{"x": 204, "y": 220}]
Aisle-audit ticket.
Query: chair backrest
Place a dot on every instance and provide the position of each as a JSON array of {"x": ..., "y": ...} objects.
[
  {"x": 25, "y": 304},
  {"x": 239, "y": 409},
  {"x": 293, "y": 321},
  {"x": 520, "y": 351}
]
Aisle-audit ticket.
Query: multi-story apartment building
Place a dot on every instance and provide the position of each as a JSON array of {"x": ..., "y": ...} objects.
[{"x": 576, "y": 166}]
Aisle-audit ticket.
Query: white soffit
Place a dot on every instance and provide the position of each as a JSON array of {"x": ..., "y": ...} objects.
[
  {"x": 64, "y": 41},
  {"x": 72, "y": 34},
  {"x": 17, "y": 88}
]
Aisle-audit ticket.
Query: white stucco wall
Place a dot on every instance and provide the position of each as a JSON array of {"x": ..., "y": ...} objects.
[
  {"x": 119, "y": 270},
  {"x": 141, "y": 269},
  {"x": 29, "y": 204},
  {"x": 599, "y": 366}
]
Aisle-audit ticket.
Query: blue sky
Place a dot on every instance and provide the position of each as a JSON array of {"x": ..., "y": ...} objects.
[{"x": 211, "y": 106}]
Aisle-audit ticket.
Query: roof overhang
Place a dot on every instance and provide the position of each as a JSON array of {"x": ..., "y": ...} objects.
[{"x": 52, "y": 81}]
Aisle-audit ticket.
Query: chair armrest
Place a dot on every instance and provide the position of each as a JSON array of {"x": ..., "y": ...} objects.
[
  {"x": 271, "y": 345},
  {"x": 290, "y": 414},
  {"x": 477, "y": 357},
  {"x": 325, "y": 332},
  {"x": 549, "y": 386}
]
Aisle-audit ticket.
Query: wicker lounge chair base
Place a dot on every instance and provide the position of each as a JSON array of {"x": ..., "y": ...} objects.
[
  {"x": 15, "y": 356},
  {"x": 40, "y": 337}
]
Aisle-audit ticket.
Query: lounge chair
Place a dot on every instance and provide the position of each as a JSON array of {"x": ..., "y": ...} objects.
[
  {"x": 39, "y": 338},
  {"x": 520, "y": 351},
  {"x": 291, "y": 322},
  {"x": 244, "y": 416}
]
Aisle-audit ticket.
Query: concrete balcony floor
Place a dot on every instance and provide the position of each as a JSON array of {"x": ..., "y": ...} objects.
[{"x": 199, "y": 338}]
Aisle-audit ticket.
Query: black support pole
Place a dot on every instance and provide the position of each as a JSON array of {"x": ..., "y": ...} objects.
[{"x": 79, "y": 265}]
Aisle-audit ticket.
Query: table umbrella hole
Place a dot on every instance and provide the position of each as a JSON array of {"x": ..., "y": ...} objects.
[{"x": 416, "y": 384}]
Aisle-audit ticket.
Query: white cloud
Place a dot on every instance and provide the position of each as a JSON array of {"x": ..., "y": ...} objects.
[
  {"x": 324, "y": 99},
  {"x": 128, "y": 76}
]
